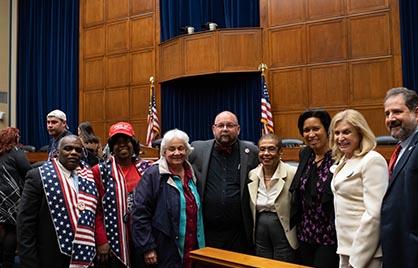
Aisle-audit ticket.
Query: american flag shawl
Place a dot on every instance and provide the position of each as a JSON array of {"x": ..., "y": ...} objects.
[
  {"x": 73, "y": 214},
  {"x": 117, "y": 206}
]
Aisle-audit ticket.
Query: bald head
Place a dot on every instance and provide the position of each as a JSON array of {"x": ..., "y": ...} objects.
[
  {"x": 226, "y": 128},
  {"x": 70, "y": 149}
]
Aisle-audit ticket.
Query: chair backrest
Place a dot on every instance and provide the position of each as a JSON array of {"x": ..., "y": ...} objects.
[
  {"x": 386, "y": 140},
  {"x": 289, "y": 143},
  {"x": 28, "y": 148}
]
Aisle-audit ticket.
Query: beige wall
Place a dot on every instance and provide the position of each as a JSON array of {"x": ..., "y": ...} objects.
[{"x": 4, "y": 56}]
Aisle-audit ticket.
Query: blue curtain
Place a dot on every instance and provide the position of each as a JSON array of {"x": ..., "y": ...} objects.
[
  {"x": 176, "y": 14},
  {"x": 191, "y": 104},
  {"x": 409, "y": 42},
  {"x": 47, "y": 75}
]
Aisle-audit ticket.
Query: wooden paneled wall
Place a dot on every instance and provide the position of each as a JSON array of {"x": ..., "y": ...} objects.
[
  {"x": 118, "y": 54},
  {"x": 333, "y": 54}
]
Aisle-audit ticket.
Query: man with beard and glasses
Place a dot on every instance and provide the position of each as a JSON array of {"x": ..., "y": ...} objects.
[
  {"x": 221, "y": 166},
  {"x": 399, "y": 214},
  {"x": 57, "y": 211}
]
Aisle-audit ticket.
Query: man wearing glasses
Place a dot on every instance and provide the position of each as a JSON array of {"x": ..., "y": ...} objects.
[{"x": 221, "y": 166}]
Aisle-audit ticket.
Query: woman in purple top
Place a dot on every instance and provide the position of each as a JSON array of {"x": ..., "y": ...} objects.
[{"x": 312, "y": 208}]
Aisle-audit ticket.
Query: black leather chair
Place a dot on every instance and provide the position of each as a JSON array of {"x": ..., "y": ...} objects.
[
  {"x": 290, "y": 143},
  {"x": 386, "y": 140}
]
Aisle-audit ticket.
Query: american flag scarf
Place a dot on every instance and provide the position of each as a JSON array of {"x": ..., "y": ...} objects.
[
  {"x": 73, "y": 214},
  {"x": 117, "y": 205}
]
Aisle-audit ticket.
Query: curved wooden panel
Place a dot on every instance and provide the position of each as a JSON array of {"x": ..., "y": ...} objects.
[
  {"x": 232, "y": 47},
  {"x": 218, "y": 51},
  {"x": 171, "y": 59},
  {"x": 200, "y": 53}
]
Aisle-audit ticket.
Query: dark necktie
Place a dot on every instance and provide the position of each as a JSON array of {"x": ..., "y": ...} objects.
[{"x": 393, "y": 158}]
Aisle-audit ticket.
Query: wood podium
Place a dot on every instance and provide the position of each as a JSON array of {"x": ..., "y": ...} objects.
[{"x": 213, "y": 257}]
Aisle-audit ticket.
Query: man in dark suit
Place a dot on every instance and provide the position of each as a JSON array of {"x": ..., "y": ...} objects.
[
  {"x": 399, "y": 218},
  {"x": 221, "y": 166},
  {"x": 57, "y": 211}
]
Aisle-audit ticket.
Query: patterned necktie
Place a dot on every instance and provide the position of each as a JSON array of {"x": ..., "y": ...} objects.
[{"x": 393, "y": 158}]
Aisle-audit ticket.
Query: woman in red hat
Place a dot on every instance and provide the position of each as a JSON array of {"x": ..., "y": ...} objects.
[{"x": 116, "y": 179}]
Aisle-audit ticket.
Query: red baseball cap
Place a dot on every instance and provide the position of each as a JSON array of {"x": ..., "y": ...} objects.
[{"x": 121, "y": 128}]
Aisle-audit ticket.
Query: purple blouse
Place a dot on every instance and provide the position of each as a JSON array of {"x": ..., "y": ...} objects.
[{"x": 317, "y": 225}]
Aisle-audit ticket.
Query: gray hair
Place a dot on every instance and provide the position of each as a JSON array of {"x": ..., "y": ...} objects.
[
  {"x": 171, "y": 135},
  {"x": 409, "y": 96},
  {"x": 71, "y": 136}
]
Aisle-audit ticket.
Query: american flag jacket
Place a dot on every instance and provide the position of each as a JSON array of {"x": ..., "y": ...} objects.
[
  {"x": 117, "y": 204},
  {"x": 73, "y": 214}
]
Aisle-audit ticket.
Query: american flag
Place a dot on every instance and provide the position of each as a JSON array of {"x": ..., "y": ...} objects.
[
  {"x": 153, "y": 130},
  {"x": 266, "y": 115}
]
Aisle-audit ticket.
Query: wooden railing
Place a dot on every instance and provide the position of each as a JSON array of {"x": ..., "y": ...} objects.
[{"x": 213, "y": 257}]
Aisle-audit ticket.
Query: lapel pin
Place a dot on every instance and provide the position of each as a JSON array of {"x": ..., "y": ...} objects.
[{"x": 247, "y": 151}]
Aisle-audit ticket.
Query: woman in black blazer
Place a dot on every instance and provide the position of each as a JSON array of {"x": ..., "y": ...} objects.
[{"x": 312, "y": 210}]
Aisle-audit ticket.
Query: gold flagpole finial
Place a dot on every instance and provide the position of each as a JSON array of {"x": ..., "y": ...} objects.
[
  {"x": 152, "y": 80},
  {"x": 262, "y": 67}
]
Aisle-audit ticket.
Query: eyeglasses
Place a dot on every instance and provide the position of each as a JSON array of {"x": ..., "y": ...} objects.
[
  {"x": 227, "y": 125},
  {"x": 271, "y": 149}
]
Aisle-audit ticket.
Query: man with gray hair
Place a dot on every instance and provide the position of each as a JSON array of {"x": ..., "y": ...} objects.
[
  {"x": 399, "y": 214},
  {"x": 56, "y": 123}
]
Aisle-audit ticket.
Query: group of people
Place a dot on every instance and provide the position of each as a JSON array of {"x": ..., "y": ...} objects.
[{"x": 342, "y": 206}]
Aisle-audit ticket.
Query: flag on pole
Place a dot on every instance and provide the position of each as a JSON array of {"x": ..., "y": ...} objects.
[
  {"x": 266, "y": 115},
  {"x": 153, "y": 130}
]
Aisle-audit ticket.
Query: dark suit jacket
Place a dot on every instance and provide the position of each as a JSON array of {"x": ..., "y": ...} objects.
[
  {"x": 296, "y": 204},
  {"x": 38, "y": 244},
  {"x": 399, "y": 216},
  {"x": 200, "y": 158}
]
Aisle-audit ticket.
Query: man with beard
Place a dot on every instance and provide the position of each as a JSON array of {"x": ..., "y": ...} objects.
[
  {"x": 399, "y": 215},
  {"x": 56, "y": 124},
  {"x": 57, "y": 211},
  {"x": 221, "y": 166}
]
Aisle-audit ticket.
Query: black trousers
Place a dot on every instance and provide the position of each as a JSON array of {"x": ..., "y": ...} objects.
[
  {"x": 9, "y": 245},
  {"x": 316, "y": 255}
]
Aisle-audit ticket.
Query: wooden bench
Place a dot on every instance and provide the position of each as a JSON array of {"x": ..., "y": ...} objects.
[{"x": 212, "y": 257}]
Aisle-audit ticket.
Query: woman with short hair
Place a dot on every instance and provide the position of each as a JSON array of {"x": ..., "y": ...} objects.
[
  {"x": 359, "y": 183},
  {"x": 167, "y": 216},
  {"x": 270, "y": 202},
  {"x": 312, "y": 209}
]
